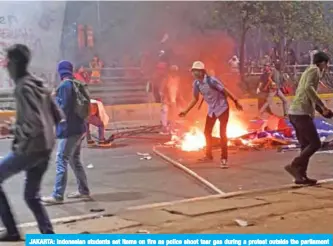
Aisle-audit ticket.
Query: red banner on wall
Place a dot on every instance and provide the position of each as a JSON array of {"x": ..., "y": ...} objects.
[
  {"x": 81, "y": 37},
  {"x": 90, "y": 37}
]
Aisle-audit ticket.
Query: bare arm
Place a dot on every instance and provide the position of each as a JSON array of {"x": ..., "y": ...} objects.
[
  {"x": 230, "y": 95},
  {"x": 194, "y": 100},
  {"x": 192, "y": 104}
]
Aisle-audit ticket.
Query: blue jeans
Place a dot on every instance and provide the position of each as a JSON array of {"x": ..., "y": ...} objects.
[
  {"x": 68, "y": 152},
  {"x": 96, "y": 121},
  {"x": 35, "y": 166}
]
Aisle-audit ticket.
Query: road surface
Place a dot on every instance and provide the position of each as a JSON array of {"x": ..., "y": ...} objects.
[
  {"x": 250, "y": 169},
  {"x": 119, "y": 179}
]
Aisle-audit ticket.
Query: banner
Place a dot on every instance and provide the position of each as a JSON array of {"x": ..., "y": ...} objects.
[
  {"x": 38, "y": 25},
  {"x": 180, "y": 239}
]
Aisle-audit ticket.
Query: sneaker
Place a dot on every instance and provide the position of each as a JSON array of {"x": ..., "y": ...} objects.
[
  {"x": 295, "y": 173},
  {"x": 206, "y": 158},
  {"x": 78, "y": 195},
  {"x": 5, "y": 237},
  {"x": 306, "y": 181},
  {"x": 51, "y": 200},
  {"x": 224, "y": 164},
  {"x": 91, "y": 143},
  {"x": 104, "y": 143},
  {"x": 111, "y": 138}
]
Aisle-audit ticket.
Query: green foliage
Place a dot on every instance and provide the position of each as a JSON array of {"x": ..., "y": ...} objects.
[
  {"x": 237, "y": 17},
  {"x": 297, "y": 20},
  {"x": 282, "y": 20}
]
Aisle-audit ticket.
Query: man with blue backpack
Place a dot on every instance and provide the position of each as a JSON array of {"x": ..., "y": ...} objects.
[
  {"x": 72, "y": 97},
  {"x": 215, "y": 95}
]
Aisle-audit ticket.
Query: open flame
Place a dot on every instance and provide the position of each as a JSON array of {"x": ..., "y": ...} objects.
[{"x": 194, "y": 140}]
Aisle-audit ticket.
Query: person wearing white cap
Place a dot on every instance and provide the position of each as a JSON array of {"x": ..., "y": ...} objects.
[{"x": 215, "y": 95}]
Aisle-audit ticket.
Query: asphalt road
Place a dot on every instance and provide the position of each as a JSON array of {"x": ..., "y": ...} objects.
[
  {"x": 118, "y": 179},
  {"x": 250, "y": 169}
]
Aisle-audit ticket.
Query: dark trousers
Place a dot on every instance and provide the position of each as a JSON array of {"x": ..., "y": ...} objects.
[
  {"x": 210, "y": 122},
  {"x": 308, "y": 138},
  {"x": 35, "y": 166}
]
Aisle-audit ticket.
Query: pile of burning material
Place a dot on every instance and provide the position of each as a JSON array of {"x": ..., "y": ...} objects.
[
  {"x": 325, "y": 132},
  {"x": 275, "y": 133},
  {"x": 239, "y": 136}
]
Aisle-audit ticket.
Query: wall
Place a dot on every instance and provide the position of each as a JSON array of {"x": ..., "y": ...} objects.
[
  {"x": 149, "y": 113},
  {"x": 37, "y": 24}
]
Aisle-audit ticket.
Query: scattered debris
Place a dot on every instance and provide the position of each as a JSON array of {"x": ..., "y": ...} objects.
[
  {"x": 276, "y": 133},
  {"x": 142, "y": 154},
  {"x": 146, "y": 158},
  {"x": 243, "y": 223},
  {"x": 97, "y": 210},
  {"x": 143, "y": 232},
  {"x": 90, "y": 166}
]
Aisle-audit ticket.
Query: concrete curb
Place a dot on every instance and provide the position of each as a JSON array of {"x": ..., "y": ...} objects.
[
  {"x": 65, "y": 220},
  {"x": 72, "y": 219},
  {"x": 227, "y": 195},
  {"x": 189, "y": 172}
]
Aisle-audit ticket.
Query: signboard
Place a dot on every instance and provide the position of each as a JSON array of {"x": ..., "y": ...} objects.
[{"x": 36, "y": 24}]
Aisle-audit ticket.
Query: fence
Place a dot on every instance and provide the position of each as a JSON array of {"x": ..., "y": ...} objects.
[
  {"x": 292, "y": 70},
  {"x": 124, "y": 85},
  {"x": 118, "y": 86}
]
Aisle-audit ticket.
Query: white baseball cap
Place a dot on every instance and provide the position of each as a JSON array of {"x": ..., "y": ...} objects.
[{"x": 198, "y": 65}]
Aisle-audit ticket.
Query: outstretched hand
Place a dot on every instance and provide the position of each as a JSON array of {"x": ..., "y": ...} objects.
[
  {"x": 327, "y": 113},
  {"x": 182, "y": 114}
]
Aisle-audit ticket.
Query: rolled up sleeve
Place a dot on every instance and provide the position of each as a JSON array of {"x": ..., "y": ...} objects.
[{"x": 196, "y": 91}]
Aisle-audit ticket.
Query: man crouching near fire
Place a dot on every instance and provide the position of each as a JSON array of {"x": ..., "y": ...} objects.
[
  {"x": 301, "y": 113},
  {"x": 215, "y": 95}
]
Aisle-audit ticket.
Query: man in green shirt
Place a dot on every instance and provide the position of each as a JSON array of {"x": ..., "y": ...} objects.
[{"x": 301, "y": 113}]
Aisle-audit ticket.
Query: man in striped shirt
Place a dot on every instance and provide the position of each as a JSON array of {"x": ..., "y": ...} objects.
[{"x": 215, "y": 95}]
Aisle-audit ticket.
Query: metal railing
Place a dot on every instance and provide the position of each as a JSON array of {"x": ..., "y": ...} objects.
[
  {"x": 130, "y": 79},
  {"x": 290, "y": 69}
]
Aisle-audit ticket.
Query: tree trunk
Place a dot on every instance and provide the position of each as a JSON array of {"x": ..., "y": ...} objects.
[
  {"x": 242, "y": 54},
  {"x": 282, "y": 53}
]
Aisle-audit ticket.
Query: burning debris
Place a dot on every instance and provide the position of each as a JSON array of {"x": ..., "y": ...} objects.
[{"x": 253, "y": 135}]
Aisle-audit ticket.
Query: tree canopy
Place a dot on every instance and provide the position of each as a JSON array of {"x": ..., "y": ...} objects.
[{"x": 282, "y": 21}]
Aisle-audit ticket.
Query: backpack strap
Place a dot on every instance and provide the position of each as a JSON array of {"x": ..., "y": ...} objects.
[{"x": 210, "y": 82}]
